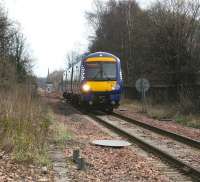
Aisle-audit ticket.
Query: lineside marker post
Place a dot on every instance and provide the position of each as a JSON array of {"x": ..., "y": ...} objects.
[
  {"x": 142, "y": 86},
  {"x": 81, "y": 165},
  {"x": 76, "y": 154}
]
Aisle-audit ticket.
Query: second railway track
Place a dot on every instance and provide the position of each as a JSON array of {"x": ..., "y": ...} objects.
[
  {"x": 185, "y": 158},
  {"x": 186, "y": 140}
]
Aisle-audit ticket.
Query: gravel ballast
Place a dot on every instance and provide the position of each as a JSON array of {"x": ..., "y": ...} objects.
[
  {"x": 103, "y": 163},
  {"x": 171, "y": 125}
]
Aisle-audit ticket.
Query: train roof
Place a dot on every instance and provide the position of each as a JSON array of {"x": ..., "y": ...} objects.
[
  {"x": 100, "y": 54},
  {"x": 90, "y": 55}
]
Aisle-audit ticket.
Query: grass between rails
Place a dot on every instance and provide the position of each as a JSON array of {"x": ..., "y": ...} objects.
[{"x": 165, "y": 111}]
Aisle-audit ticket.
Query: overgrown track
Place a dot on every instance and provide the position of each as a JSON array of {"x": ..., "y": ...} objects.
[
  {"x": 180, "y": 138},
  {"x": 179, "y": 164},
  {"x": 175, "y": 162}
]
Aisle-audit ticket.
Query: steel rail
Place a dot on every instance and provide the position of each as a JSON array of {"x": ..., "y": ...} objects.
[
  {"x": 177, "y": 137},
  {"x": 180, "y": 165}
]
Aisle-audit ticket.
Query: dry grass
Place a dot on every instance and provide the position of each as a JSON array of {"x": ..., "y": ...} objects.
[
  {"x": 60, "y": 133},
  {"x": 133, "y": 104},
  {"x": 24, "y": 125},
  {"x": 179, "y": 112},
  {"x": 190, "y": 120},
  {"x": 159, "y": 111}
]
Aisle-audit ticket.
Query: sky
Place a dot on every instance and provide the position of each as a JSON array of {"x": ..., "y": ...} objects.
[{"x": 52, "y": 29}]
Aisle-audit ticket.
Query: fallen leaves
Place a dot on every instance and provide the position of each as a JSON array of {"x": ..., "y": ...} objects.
[
  {"x": 170, "y": 126},
  {"x": 104, "y": 163},
  {"x": 11, "y": 171}
]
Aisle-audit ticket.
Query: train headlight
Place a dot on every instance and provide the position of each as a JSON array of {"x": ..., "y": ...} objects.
[
  {"x": 116, "y": 87},
  {"x": 86, "y": 87}
]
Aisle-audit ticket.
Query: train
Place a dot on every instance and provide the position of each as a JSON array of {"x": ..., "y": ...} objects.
[{"x": 94, "y": 81}]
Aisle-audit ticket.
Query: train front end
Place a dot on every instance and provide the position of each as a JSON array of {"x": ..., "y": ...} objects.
[{"x": 101, "y": 81}]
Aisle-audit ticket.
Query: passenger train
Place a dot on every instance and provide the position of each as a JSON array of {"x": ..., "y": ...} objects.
[{"x": 95, "y": 81}]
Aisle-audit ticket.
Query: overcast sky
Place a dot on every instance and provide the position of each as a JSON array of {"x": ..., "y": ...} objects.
[{"x": 52, "y": 28}]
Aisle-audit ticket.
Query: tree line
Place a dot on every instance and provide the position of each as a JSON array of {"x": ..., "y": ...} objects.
[
  {"x": 15, "y": 60},
  {"x": 24, "y": 122},
  {"x": 161, "y": 42}
]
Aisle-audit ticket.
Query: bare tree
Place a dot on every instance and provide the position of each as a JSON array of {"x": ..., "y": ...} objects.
[
  {"x": 14, "y": 60},
  {"x": 174, "y": 37},
  {"x": 161, "y": 43},
  {"x": 56, "y": 78}
]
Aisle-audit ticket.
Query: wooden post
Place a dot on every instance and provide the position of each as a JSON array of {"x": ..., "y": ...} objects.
[
  {"x": 76, "y": 154},
  {"x": 81, "y": 164}
]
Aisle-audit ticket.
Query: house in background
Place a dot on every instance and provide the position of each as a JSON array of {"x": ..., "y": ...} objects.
[{"x": 49, "y": 85}]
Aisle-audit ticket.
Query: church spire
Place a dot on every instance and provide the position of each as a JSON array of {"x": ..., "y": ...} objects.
[{"x": 48, "y": 76}]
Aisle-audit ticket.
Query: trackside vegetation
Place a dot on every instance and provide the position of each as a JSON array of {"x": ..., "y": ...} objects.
[
  {"x": 24, "y": 126},
  {"x": 160, "y": 42},
  {"x": 24, "y": 120}
]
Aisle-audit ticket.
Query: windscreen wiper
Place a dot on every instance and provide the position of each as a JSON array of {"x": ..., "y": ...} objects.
[
  {"x": 95, "y": 77},
  {"x": 106, "y": 76}
]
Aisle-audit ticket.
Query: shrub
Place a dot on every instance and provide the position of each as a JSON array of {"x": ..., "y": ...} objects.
[
  {"x": 186, "y": 103},
  {"x": 24, "y": 124}
]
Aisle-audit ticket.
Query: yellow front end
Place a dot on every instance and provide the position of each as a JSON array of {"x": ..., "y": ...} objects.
[{"x": 101, "y": 86}]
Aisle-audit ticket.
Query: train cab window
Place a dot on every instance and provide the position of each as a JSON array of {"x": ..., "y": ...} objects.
[
  {"x": 101, "y": 71},
  {"x": 93, "y": 71},
  {"x": 109, "y": 71}
]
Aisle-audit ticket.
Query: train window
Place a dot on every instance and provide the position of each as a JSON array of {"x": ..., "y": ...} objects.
[
  {"x": 109, "y": 71},
  {"x": 93, "y": 65},
  {"x": 93, "y": 71},
  {"x": 101, "y": 71}
]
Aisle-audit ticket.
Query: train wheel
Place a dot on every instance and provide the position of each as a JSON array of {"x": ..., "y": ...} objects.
[
  {"x": 109, "y": 110},
  {"x": 73, "y": 101},
  {"x": 86, "y": 109},
  {"x": 65, "y": 95}
]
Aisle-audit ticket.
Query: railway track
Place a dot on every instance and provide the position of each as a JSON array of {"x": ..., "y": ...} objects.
[
  {"x": 169, "y": 147},
  {"x": 173, "y": 150},
  {"x": 186, "y": 140}
]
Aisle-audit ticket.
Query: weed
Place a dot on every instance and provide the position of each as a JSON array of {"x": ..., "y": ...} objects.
[
  {"x": 60, "y": 133},
  {"x": 188, "y": 120},
  {"x": 180, "y": 112},
  {"x": 181, "y": 119},
  {"x": 25, "y": 125}
]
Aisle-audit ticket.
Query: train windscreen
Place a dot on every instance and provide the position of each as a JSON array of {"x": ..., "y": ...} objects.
[{"x": 101, "y": 71}]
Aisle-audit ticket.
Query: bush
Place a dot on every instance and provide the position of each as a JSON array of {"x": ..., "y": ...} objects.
[
  {"x": 24, "y": 124},
  {"x": 186, "y": 103}
]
